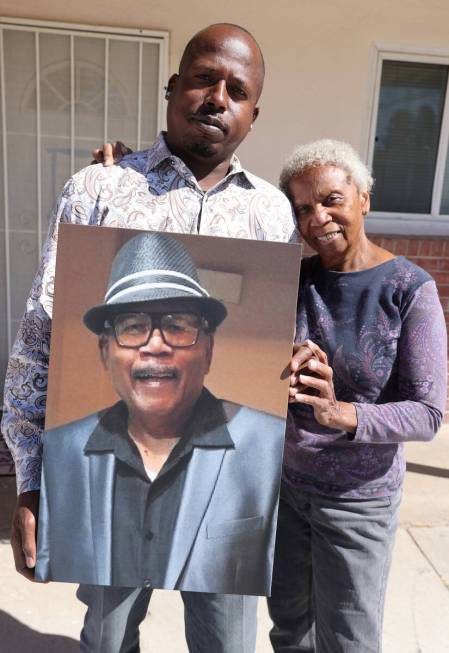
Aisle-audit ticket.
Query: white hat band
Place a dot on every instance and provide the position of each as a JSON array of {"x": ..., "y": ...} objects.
[
  {"x": 150, "y": 273},
  {"x": 146, "y": 286}
]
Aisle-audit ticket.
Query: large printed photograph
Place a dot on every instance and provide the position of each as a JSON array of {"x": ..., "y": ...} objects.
[{"x": 166, "y": 410}]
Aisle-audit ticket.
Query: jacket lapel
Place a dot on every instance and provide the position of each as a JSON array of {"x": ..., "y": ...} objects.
[
  {"x": 202, "y": 474},
  {"x": 101, "y": 477}
]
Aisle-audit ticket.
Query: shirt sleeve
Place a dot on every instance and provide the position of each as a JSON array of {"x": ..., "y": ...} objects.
[
  {"x": 27, "y": 372},
  {"x": 422, "y": 378},
  {"x": 274, "y": 217}
]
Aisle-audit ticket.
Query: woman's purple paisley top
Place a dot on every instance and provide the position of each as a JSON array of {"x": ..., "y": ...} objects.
[{"x": 384, "y": 332}]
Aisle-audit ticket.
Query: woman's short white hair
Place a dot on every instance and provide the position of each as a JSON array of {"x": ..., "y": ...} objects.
[{"x": 326, "y": 152}]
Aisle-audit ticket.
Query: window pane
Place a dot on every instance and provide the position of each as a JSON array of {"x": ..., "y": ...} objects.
[
  {"x": 55, "y": 98},
  {"x": 445, "y": 197},
  {"x": 123, "y": 91},
  {"x": 21, "y": 142},
  {"x": 55, "y": 84},
  {"x": 150, "y": 92},
  {"x": 89, "y": 89},
  {"x": 20, "y": 81},
  {"x": 408, "y": 129}
]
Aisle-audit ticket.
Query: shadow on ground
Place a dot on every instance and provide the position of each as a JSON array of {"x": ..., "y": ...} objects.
[
  {"x": 428, "y": 470},
  {"x": 15, "y": 636},
  {"x": 18, "y": 638}
]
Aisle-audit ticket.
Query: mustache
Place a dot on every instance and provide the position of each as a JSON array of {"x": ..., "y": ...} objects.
[
  {"x": 154, "y": 372},
  {"x": 205, "y": 114}
]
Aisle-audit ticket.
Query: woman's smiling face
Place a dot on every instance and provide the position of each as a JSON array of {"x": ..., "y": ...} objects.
[{"x": 329, "y": 210}]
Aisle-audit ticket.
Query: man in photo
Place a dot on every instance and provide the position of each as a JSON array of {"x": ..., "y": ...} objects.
[{"x": 170, "y": 487}]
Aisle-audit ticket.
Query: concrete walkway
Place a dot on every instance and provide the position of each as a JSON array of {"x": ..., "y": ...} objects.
[{"x": 47, "y": 618}]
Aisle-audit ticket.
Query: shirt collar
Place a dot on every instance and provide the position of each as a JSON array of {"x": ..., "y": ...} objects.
[
  {"x": 205, "y": 428},
  {"x": 159, "y": 153},
  {"x": 207, "y": 424},
  {"x": 112, "y": 424}
]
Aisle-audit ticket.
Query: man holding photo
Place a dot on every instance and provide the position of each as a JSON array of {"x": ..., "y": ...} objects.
[{"x": 189, "y": 181}]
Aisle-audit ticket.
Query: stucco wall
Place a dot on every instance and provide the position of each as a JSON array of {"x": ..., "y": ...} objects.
[{"x": 320, "y": 55}]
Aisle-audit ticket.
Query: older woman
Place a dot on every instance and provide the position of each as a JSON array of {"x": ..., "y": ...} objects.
[{"x": 368, "y": 374}]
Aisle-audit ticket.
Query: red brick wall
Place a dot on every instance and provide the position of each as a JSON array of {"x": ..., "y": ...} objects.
[{"x": 432, "y": 254}]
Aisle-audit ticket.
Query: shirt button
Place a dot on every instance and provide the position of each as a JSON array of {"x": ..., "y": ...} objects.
[{"x": 147, "y": 583}]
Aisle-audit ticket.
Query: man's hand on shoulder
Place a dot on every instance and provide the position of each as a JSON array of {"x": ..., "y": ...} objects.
[
  {"x": 111, "y": 153},
  {"x": 23, "y": 532}
]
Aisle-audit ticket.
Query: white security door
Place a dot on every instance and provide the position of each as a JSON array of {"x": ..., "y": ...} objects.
[{"x": 63, "y": 92}]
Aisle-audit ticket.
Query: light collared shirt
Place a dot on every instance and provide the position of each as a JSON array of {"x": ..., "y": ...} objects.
[{"x": 152, "y": 190}]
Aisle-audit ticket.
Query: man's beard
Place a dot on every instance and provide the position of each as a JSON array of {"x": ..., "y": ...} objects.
[{"x": 201, "y": 148}]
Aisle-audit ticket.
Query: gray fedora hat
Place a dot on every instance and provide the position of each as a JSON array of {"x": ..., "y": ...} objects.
[{"x": 148, "y": 268}]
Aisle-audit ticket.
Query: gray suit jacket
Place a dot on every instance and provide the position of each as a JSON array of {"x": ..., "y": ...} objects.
[{"x": 224, "y": 536}]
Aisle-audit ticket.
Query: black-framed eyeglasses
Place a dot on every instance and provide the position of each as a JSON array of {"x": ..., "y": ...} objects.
[{"x": 133, "y": 330}]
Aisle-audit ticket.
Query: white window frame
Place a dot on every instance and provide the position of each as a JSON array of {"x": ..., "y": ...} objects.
[
  {"x": 391, "y": 222},
  {"x": 159, "y": 37}
]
